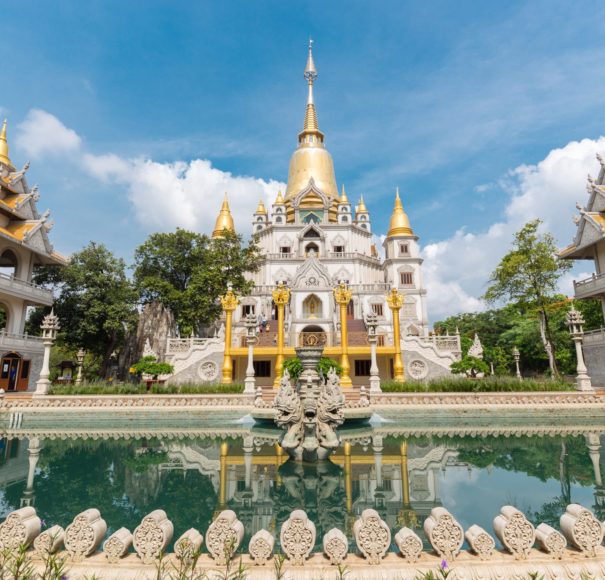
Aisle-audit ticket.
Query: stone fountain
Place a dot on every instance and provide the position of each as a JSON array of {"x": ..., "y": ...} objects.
[{"x": 311, "y": 410}]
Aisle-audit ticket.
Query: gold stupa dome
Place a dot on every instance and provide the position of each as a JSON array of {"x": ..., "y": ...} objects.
[
  {"x": 4, "y": 158},
  {"x": 260, "y": 209},
  {"x": 343, "y": 195},
  {"x": 311, "y": 159},
  {"x": 279, "y": 200},
  {"x": 224, "y": 221},
  {"x": 400, "y": 223}
]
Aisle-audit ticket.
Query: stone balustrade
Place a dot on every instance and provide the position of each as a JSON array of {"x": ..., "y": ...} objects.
[{"x": 576, "y": 551}]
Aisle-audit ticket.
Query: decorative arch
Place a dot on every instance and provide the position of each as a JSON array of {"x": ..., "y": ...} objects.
[
  {"x": 312, "y": 307},
  {"x": 9, "y": 263},
  {"x": 313, "y": 335}
]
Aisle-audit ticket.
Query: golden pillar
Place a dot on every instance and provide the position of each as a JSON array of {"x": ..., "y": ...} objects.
[
  {"x": 407, "y": 516},
  {"x": 229, "y": 303},
  {"x": 222, "y": 497},
  {"x": 342, "y": 296},
  {"x": 395, "y": 302},
  {"x": 348, "y": 476},
  {"x": 281, "y": 297}
]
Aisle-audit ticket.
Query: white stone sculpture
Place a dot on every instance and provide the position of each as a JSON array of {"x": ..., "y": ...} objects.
[
  {"x": 480, "y": 542},
  {"x": 336, "y": 546},
  {"x": 582, "y": 529},
  {"x": 49, "y": 541},
  {"x": 550, "y": 540},
  {"x": 224, "y": 536},
  {"x": 515, "y": 531},
  {"x": 117, "y": 545},
  {"x": 260, "y": 547},
  {"x": 409, "y": 544},
  {"x": 297, "y": 537},
  {"x": 84, "y": 534},
  {"x": 152, "y": 535},
  {"x": 19, "y": 528},
  {"x": 186, "y": 547},
  {"x": 444, "y": 533},
  {"x": 372, "y": 535},
  {"x": 476, "y": 349}
]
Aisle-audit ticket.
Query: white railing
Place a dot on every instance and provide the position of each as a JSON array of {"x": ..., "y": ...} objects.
[
  {"x": 29, "y": 288},
  {"x": 9, "y": 339},
  {"x": 589, "y": 286},
  {"x": 595, "y": 337}
]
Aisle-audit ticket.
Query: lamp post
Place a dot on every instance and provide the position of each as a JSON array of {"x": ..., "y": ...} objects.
[
  {"x": 342, "y": 296},
  {"x": 372, "y": 324},
  {"x": 50, "y": 326},
  {"x": 281, "y": 297},
  {"x": 80, "y": 358},
  {"x": 575, "y": 320},
  {"x": 517, "y": 356},
  {"x": 229, "y": 303},
  {"x": 395, "y": 302},
  {"x": 249, "y": 382}
]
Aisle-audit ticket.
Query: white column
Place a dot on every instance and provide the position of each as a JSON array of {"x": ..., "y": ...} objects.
[
  {"x": 583, "y": 382},
  {"x": 43, "y": 382},
  {"x": 374, "y": 373},
  {"x": 33, "y": 451}
]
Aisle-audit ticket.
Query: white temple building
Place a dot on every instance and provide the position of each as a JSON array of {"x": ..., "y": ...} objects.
[{"x": 314, "y": 240}]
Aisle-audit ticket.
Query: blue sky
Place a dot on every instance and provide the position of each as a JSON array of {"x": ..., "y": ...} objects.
[{"x": 460, "y": 104}]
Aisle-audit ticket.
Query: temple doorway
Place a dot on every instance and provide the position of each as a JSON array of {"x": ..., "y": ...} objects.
[{"x": 14, "y": 372}]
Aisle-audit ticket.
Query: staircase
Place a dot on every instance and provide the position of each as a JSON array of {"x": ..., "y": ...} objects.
[{"x": 357, "y": 333}]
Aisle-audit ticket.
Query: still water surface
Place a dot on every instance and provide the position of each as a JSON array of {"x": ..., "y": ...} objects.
[{"x": 403, "y": 478}]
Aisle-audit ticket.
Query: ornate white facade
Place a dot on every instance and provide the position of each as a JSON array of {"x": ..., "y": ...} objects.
[{"x": 312, "y": 239}]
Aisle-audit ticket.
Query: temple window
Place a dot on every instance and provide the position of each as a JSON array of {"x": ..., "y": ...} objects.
[
  {"x": 259, "y": 228},
  {"x": 344, "y": 218},
  {"x": 377, "y": 309},
  {"x": 362, "y": 367},
  {"x": 404, "y": 249},
  {"x": 259, "y": 218},
  {"x": 312, "y": 248},
  {"x": 364, "y": 226},
  {"x": 247, "y": 309},
  {"x": 285, "y": 251},
  {"x": 406, "y": 278},
  {"x": 278, "y": 220},
  {"x": 262, "y": 368},
  {"x": 339, "y": 249}
]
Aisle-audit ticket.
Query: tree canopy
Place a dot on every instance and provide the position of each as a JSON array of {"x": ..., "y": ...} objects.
[
  {"x": 528, "y": 276},
  {"x": 187, "y": 272},
  {"x": 94, "y": 300}
]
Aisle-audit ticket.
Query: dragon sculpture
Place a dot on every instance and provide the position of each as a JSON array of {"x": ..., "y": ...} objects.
[{"x": 310, "y": 414}]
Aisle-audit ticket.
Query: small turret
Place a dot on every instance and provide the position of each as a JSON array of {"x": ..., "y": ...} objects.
[
  {"x": 400, "y": 223},
  {"x": 344, "y": 208},
  {"x": 261, "y": 219},
  {"x": 4, "y": 158},
  {"x": 362, "y": 215}
]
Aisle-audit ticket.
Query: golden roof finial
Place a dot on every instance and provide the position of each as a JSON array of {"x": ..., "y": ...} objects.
[
  {"x": 400, "y": 223},
  {"x": 260, "y": 209},
  {"x": 310, "y": 126},
  {"x": 280, "y": 198},
  {"x": 361, "y": 206},
  {"x": 343, "y": 195},
  {"x": 4, "y": 158},
  {"x": 224, "y": 221}
]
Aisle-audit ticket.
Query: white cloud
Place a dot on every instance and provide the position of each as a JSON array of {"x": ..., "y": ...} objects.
[
  {"x": 457, "y": 268},
  {"x": 42, "y": 134},
  {"x": 164, "y": 195}
]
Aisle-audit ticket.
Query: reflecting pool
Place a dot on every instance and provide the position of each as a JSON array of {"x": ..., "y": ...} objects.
[{"x": 192, "y": 475}]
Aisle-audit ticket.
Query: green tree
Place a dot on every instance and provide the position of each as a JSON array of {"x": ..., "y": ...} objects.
[
  {"x": 528, "y": 276},
  {"x": 470, "y": 366},
  {"x": 94, "y": 300},
  {"x": 149, "y": 365},
  {"x": 187, "y": 272}
]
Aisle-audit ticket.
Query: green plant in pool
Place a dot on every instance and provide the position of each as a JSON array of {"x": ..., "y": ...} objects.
[{"x": 294, "y": 366}]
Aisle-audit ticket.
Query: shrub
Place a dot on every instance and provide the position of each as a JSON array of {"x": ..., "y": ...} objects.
[
  {"x": 467, "y": 385},
  {"x": 130, "y": 389},
  {"x": 470, "y": 366},
  {"x": 149, "y": 365},
  {"x": 294, "y": 366}
]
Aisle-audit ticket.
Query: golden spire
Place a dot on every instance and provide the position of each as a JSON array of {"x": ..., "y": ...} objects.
[
  {"x": 224, "y": 221},
  {"x": 280, "y": 198},
  {"x": 361, "y": 206},
  {"x": 343, "y": 195},
  {"x": 261, "y": 208},
  {"x": 400, "y": 223},
  {"x": 4, "y": 146},
  {"x": 310, "y": 126}
]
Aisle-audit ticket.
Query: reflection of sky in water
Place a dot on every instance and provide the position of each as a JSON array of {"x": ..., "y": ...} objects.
[
  {"x": 126, "y": 479},
  {"x": 475, "y": 496}
]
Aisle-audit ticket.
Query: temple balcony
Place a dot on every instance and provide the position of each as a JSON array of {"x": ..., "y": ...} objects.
[
  {"x": 25, "y": 290},
  {"x": 20, "y": 342},
  {"x": 590, "y": 287}
]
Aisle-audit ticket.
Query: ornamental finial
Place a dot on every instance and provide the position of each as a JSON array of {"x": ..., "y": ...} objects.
[
  {"x": 4, "y": 158},
  {"x": 310, "y": 70}
]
